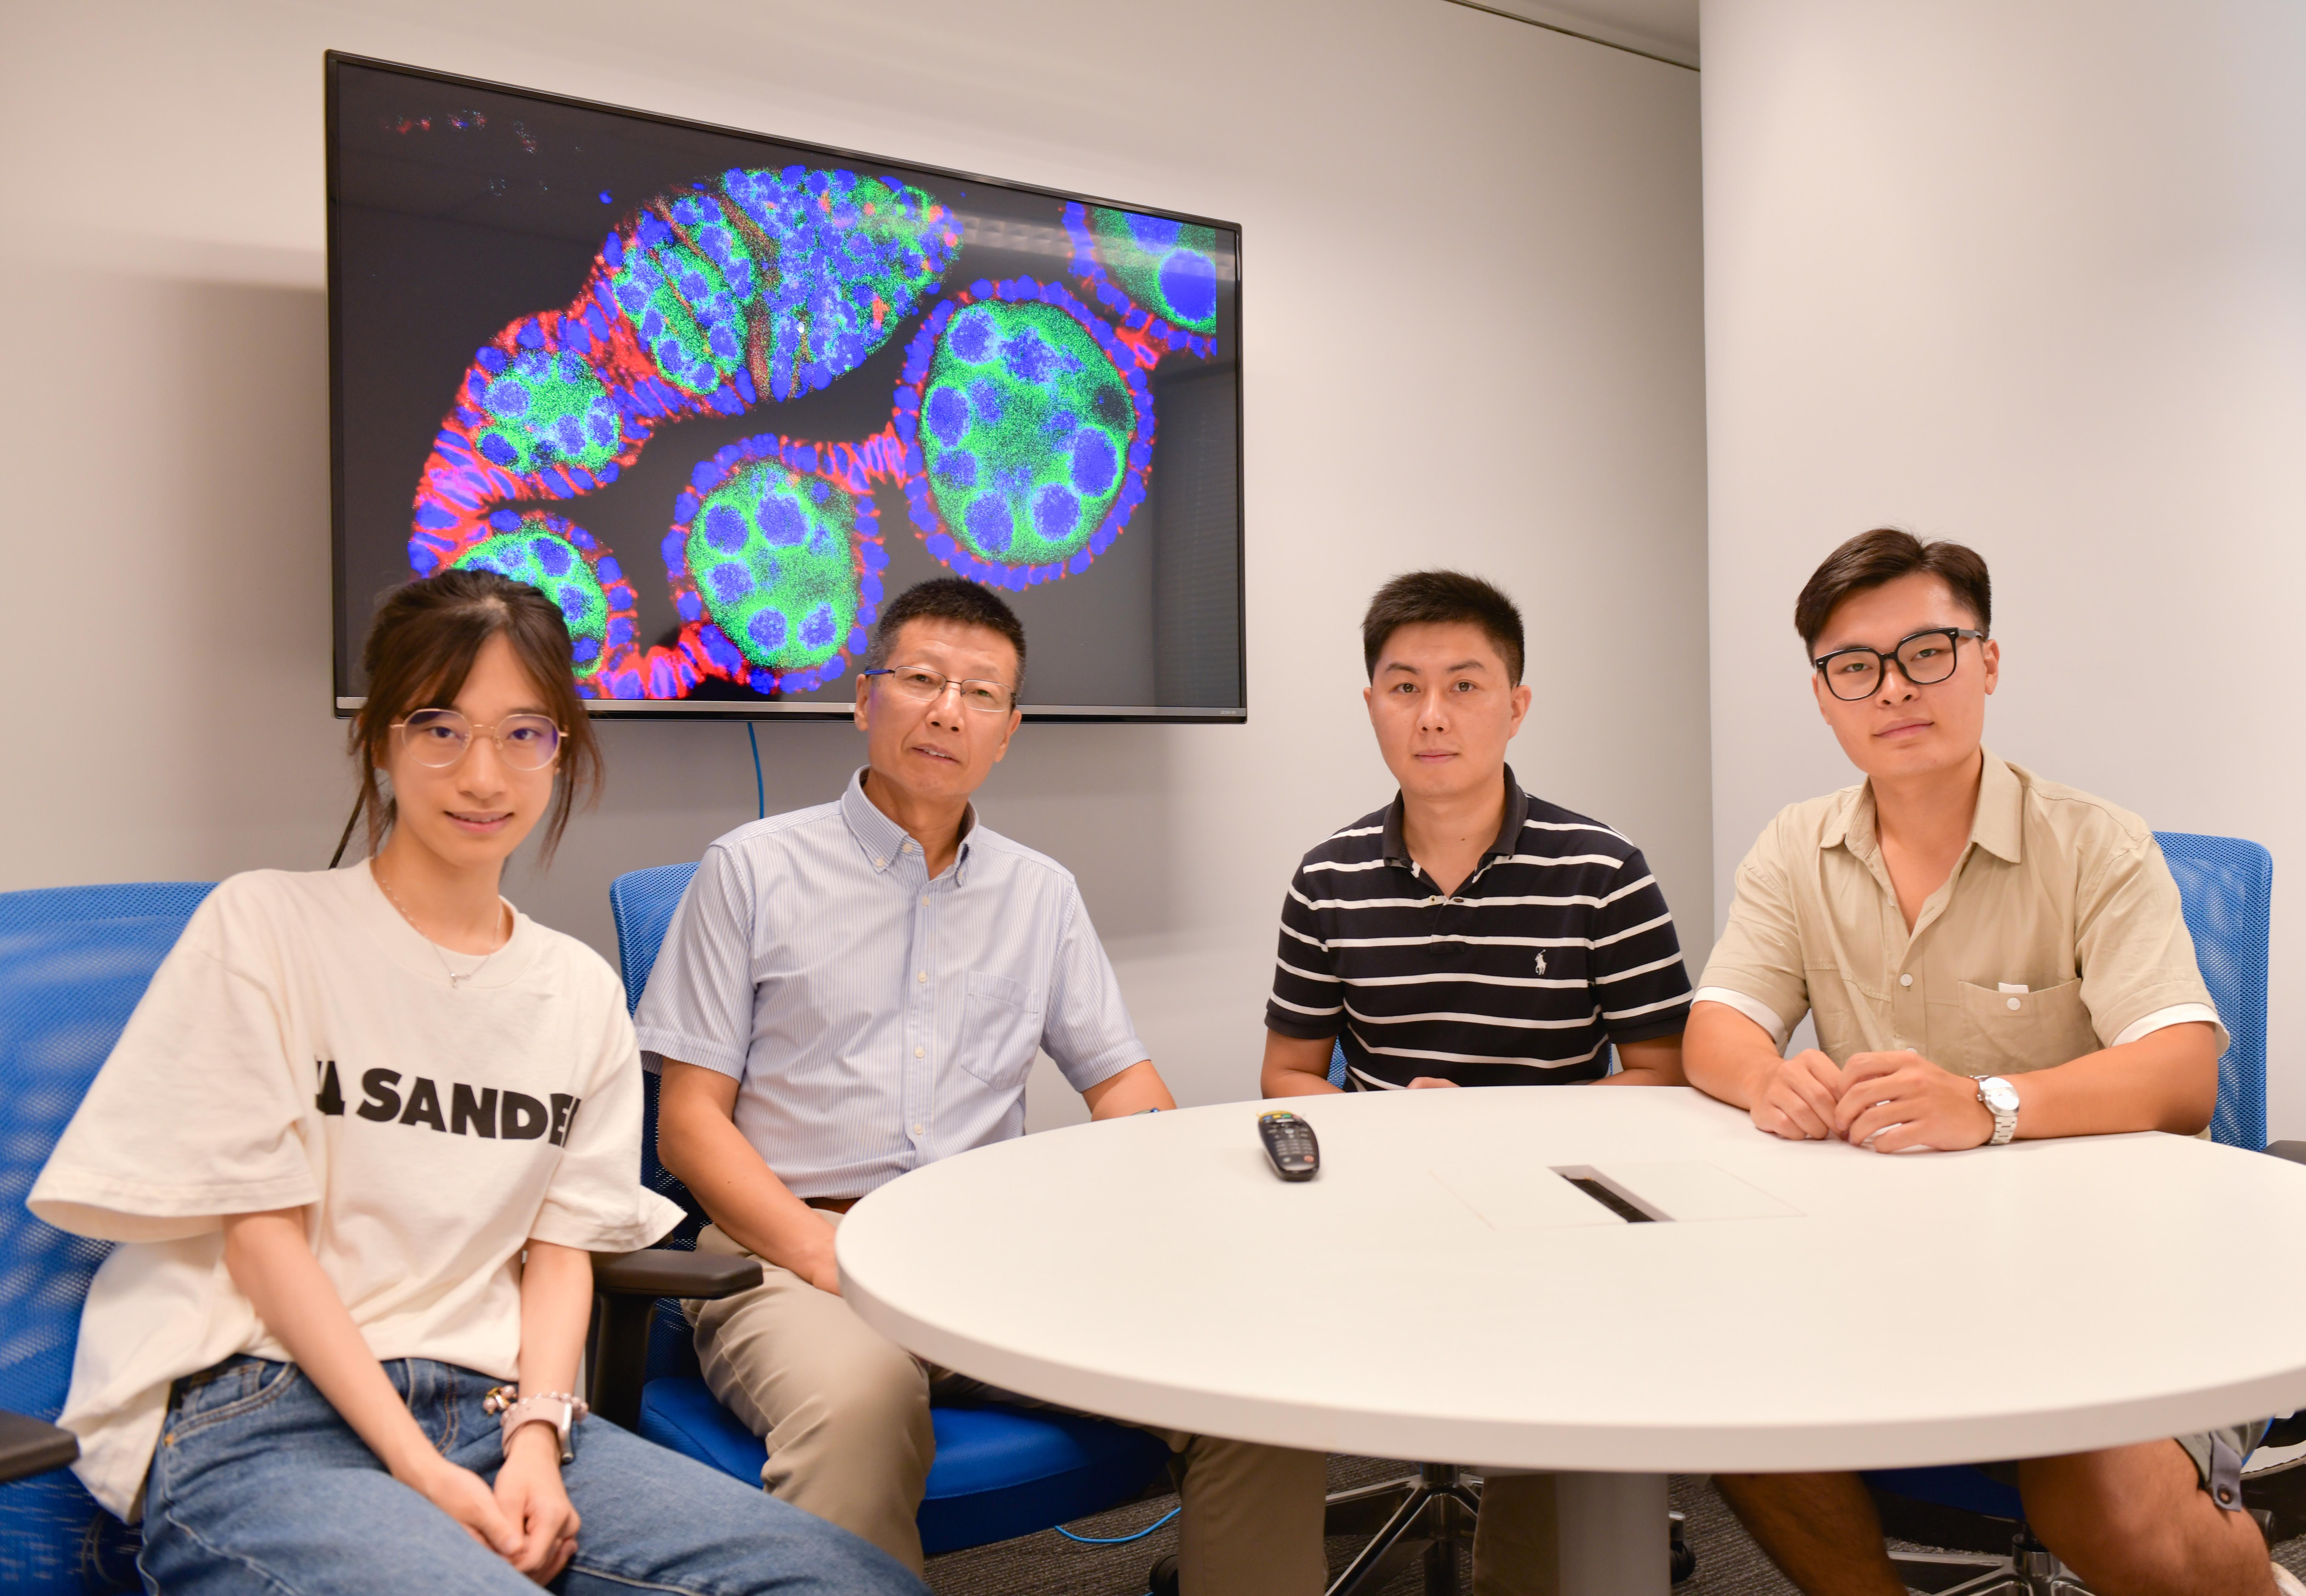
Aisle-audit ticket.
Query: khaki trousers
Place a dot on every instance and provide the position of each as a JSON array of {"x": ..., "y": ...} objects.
[{"x": 846, "y": 1416}]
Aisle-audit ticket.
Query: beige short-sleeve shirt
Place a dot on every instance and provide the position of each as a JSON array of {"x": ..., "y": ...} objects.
[{"x": 2058, "y": 932}]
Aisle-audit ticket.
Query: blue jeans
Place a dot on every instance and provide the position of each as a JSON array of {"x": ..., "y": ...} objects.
[{"x": 257, "y": 1486}]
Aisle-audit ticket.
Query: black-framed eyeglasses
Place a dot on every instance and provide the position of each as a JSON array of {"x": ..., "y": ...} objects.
[
  {"x": 1926, "y": 658},
  {"x": 923, "y": 686}
]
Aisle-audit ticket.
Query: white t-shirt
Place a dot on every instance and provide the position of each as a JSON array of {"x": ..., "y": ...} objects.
[{"x": 302, "y": 1044}]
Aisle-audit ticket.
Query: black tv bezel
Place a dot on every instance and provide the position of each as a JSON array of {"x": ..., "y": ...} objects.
[{"x": 348, "y": 703}]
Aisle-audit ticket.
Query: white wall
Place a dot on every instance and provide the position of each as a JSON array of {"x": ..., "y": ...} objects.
[
  {"x": 2032, "y": 277},
  {"x": 1473, "y": 335}
]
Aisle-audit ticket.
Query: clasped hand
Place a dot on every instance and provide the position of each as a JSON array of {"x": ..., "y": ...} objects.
[
  {"x": 1894, "y": 1101},
  {"x": 527, "y": 1520}
]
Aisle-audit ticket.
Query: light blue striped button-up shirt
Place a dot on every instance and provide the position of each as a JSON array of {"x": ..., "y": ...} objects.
[{"x": 877, "y": 1020}]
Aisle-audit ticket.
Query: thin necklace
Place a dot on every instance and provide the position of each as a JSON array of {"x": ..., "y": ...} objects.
[{"x": 446, "y": 967}]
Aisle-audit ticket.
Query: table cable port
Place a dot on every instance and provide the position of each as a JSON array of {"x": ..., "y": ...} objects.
[{"x": 1591, "y": 1183}]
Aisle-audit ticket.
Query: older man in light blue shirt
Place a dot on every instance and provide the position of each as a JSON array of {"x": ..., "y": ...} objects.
[
  {"x": 851, "y": 991},
  {"x": 877, "y": 1018}
]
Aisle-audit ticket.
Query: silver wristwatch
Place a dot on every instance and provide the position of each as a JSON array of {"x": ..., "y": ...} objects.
[
  {"x": 557, "y": 1408},
  {"x": 2001, "y": 1100}
]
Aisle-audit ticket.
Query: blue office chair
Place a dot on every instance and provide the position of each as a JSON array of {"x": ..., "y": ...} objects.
[
  {"x": 2226, "y": 886},
  {"x": 1000, "y": 1472},
  {"x": 73, "y": 963}
]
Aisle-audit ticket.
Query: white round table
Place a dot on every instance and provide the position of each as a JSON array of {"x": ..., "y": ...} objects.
[{"x": 1438, "y": 1294}]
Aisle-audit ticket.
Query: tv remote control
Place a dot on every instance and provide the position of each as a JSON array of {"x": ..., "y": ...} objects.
[{"x": 1289, "y": 1143}]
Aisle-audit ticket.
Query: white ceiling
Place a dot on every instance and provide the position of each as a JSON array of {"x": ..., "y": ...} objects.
[{"x": 1662, "y": 27}]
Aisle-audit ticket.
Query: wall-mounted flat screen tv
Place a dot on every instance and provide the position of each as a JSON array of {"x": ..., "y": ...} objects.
[{"x": 721, "y": 395}]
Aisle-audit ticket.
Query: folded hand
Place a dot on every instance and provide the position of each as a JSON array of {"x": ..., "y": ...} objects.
[
  {"x": 1901, "y": 1102},
  {"x": 1796, "y": 1100}
]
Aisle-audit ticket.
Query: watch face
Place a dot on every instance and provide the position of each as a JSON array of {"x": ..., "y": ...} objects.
[{"x": 1998, "y": 1096}]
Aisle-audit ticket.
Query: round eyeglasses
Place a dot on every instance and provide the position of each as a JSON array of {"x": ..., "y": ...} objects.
[
  {"x": 440, "y": 737},
  {"x": 922, "y": 685},
  {"x": 1925, "y": 659}
]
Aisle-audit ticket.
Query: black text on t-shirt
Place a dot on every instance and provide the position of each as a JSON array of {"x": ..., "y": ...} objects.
[{"x": 472, "y": 1111}]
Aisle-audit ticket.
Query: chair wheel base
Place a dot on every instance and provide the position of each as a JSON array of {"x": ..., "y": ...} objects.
[{"x": 1161, "y": 1580}]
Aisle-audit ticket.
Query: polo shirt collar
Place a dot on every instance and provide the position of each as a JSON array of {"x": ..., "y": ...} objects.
[
  {"x": 1996, "y": 827},
  {"x": 1509, "y": 837},
  {"x": 881, "y": 837}
]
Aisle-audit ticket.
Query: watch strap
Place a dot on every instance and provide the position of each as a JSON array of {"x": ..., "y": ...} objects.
[
  {"x": 560, "y": 1408},
  {"x": 2005, "y": 1120}
]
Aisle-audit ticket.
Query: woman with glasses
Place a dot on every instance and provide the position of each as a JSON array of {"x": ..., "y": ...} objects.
[{"x": 356, "y": 1144}]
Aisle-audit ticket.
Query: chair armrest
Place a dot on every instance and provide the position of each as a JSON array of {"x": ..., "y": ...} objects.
[
  {"x": 667, "y": 1272},
  {"x": 30, "y": 1446},
  {"x": 628, "y": 1286},
  {"x": 2295, "y": 1151}
]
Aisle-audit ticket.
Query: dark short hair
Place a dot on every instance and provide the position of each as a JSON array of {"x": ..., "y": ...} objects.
[
  {"x": 1442, "y": 598},
  {"x": 948, "y": 598},
  {"x": 1882, "y": 555},
  {"x": 420, "y": 649}
]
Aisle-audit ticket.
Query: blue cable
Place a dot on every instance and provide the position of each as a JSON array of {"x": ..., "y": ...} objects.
[
  {"x": 1120, "y": 1540},
  {"x": 760, "y": 793}
]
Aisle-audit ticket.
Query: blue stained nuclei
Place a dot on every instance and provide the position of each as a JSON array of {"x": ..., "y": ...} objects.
[
  {"x": 986, "y": 399},
  {"x": 1190, "y": 281},
  {"x": 990, "y": 524},
  {"x": 1153, "y": 234},
  {"x": 948, "y": 416},
  {"x": 767, "y": 630},
  {"x": 551, "y": 554},
  {"x": 1056, "y": 513},
  {"x": 816, "y": 630},
  {"x": 731, "y": 583},
  {"x": 1094, "y": 462},
  {"x": 781, "y": 522},
  {"x": 724, "y": 529}
]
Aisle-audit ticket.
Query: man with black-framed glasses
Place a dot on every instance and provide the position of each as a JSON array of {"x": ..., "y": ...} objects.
[
  {"x": 1987, "y": 955},
  {"x": 851, "y": 991}
]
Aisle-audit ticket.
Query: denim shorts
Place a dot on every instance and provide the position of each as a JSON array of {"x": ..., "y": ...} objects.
[{"x": 258, "y": 1485}]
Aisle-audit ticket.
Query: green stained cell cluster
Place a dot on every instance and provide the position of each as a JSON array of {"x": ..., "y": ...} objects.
[
  {"x": 853, "y": 256},
  {"x": 773, "y": 552},
  {"x": 553, "y": 566},
  {"x": 548, "y": 408},
  {"x": 1026, "y": 429},
  {"x": 685, "y": 286},
  {"x": 1169, "y": 267}
]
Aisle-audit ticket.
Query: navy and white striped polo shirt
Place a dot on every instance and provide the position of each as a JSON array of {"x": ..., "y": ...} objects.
[{"x": 1559, "y": 945}]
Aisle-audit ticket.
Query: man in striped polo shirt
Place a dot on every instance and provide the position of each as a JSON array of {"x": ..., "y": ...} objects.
[{"x": 1469, "y": 933}]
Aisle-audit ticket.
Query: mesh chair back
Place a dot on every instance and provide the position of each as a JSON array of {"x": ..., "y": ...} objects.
[
  {"x": 2226, "y": 886},
  {"x": 73, "y": 963},
  {"x": 641, "y": 903}
]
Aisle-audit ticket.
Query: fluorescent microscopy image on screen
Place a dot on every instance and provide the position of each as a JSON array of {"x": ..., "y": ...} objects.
[
  {"x": 778, "y": 282},
  {"x": 774, "y": 568},
  {"x": 745, "y": 355},
  {"x": 1035, "y": 425},
  {"x": 1158, "y": 275},
  {"x": 564, "y": 563}
]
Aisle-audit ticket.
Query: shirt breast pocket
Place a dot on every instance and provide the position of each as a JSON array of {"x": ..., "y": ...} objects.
[
  {"x": 1000, "y": 1030},
  {"x": 2009, "y": 1032}
]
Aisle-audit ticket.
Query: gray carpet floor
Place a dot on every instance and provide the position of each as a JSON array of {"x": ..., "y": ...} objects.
[{"x": 1728, "y": 1563}]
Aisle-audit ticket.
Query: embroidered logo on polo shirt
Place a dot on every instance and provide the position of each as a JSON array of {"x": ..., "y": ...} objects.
[
  {"x": 484, "y": 1112},
  {"x": 1541, "y": 964}
]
